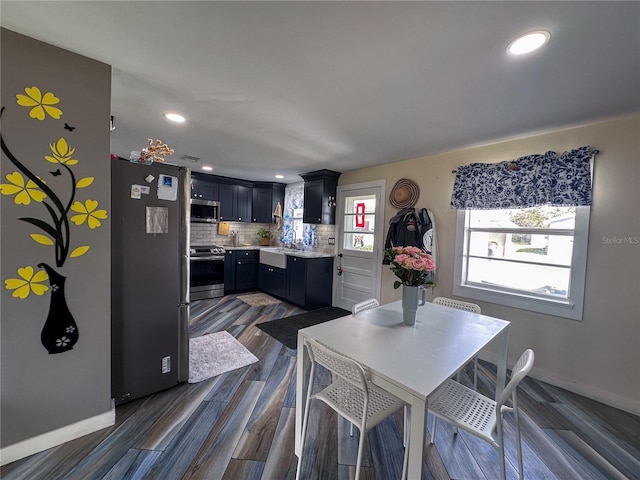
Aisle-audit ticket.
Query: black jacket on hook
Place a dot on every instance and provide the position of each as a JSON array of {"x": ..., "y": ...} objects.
[
  {"x": 404, "y": 231},
  {"x": 409, "y": 228}
]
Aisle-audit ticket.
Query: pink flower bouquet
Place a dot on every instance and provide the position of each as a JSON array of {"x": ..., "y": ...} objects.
[{"x": 410, "y": 265}]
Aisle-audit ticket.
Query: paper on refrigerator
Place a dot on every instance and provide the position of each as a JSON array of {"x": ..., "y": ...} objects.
[{"x": 167, "y": 188}]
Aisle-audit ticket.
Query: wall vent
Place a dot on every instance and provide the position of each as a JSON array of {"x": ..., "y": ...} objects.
[{"x": 190, "y": 158}]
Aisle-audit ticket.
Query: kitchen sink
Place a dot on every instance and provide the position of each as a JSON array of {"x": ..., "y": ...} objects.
[{"x": 274, "y": 257}]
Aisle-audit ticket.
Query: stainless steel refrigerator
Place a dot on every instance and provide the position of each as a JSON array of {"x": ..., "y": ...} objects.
[{"x": 149, "y": 278}]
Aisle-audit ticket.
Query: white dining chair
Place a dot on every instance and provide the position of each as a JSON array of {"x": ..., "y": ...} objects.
[
  {"x": 468, "y": 307},
  {"x": 365, "y": 305},
  {"x": 359, "y": 307},
  {"x": 480, "y": 415},
  {"x": 351, "y": 395}
]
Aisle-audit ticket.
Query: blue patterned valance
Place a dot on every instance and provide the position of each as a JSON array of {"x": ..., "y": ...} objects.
[{"x": 541, "y": 179}]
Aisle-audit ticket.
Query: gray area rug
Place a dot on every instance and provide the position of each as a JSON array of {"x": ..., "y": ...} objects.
[{"x": 215, "y": 354}]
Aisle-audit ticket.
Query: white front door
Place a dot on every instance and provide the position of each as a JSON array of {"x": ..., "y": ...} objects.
[{"x": 359, "y": 222}]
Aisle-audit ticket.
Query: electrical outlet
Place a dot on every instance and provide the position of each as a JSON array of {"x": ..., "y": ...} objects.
[
  {"x": 332, "y": 241},
  {"x": 166, "y": 364}
]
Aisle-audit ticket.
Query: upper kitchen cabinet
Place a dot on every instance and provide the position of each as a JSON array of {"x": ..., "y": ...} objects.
[
  {"x": 266, "y": 195},
  {"x": 320, "y": 196},
  {"x": 235, "y": 201},
  {"x": 203, "y": 188}
]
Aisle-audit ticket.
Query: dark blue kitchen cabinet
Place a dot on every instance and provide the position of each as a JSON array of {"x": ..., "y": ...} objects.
[
  {"x": 320, "y": 197},
  {"x": 229, "y": 271},
  {"x": 272, "y": 280},
  {"x": 235, "y": 202},
  {"x": 296, "y": 280},
  {"x": 240, "y": 270},
  {"x": 309, "y": 281},
  {"x": 246, "y": 269},
  {"x": 266, "y": 195},
  {"x": 203, "y": 189}
]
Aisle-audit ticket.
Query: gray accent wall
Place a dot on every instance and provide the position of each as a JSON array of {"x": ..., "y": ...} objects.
[{"x": 42, "y": 392}]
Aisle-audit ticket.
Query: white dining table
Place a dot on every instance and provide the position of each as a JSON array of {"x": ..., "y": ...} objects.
[{"x": 410, "y": 362}]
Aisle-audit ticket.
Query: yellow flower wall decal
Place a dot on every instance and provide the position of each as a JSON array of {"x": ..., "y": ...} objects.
[
  {"x": 41, "y": 239},
  {"x": 62, "y": 153},
  {"x": 78, "y": 252},
  {"x": 24, "y": 191},
  {"x": 40, "y": 104},
  {"x": 60, "y": 332},
  {"x": 88, "y": 212},
  {"x": 27, "y": 283},
  {"x": 84, "y": 182}
]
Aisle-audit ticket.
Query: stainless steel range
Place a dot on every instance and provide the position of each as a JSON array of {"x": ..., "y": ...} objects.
[{"x": 207, "y": 272}]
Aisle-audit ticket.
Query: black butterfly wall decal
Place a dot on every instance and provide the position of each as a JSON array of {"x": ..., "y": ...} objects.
[
  {"x": 69, "y": 127},
  {"x": 56, "y": 173}
]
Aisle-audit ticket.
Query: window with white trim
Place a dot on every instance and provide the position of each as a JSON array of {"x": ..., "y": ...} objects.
[{"x": 533, "y": 258}]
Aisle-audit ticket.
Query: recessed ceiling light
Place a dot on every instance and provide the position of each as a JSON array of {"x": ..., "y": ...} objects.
[
  {"x": 279, "y": 176},
  {"x": 528, "y": 42},
  {"x": 208, "y": 169},
  {"x": 174, "y": 117}
]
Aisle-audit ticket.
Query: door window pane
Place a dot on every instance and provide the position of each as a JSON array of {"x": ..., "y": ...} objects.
[{"x": 359, "y": 223}]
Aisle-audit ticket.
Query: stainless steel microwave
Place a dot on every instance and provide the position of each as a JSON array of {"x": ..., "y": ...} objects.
[{"x": 205, "y": 211}]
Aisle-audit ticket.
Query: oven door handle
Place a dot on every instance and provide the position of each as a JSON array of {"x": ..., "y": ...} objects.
[{"x": 204, "y": 259}]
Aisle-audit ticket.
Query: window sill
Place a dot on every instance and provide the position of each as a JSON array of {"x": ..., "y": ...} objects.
[{"x": 558, "y": 308}]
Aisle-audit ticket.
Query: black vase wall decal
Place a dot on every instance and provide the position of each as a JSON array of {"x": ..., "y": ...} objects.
[{"x": 60, "y": 332}]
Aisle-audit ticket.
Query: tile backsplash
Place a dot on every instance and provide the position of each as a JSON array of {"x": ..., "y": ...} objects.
[{"x": 207, "y": 234}]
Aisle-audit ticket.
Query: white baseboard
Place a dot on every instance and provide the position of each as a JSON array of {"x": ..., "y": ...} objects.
[
  {"x": 627, "y": 404},
  {"x": 56, "y": 437}
]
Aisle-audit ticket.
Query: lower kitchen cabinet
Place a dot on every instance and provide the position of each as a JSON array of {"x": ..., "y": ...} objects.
[
  {"x": 229, "y": 271},
  {"x": 240, "y": 270},
  {"x": 309, "y": 281},
  {"x": 272, "y": 280}
]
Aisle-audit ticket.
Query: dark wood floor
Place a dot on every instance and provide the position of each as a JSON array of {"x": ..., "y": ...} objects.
[{"x": 240, "y": 425}]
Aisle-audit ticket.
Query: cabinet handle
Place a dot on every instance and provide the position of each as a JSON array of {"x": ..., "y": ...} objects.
[
  {"x": 239, "y": 263},
  {"x": 246, "y": 253},
  {"x": 239, "y": 219}
]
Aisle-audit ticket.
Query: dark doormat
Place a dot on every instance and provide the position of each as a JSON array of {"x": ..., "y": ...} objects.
[{"x": 285, "y": 330}]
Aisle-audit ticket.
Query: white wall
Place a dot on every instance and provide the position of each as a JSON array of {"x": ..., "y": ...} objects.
[{"x": 598, "y": 357}]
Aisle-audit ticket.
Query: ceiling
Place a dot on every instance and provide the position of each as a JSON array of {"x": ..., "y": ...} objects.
[{"x": 292, "y": 87}]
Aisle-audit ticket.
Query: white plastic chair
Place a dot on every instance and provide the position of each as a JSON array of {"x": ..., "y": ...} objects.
[
  {"x": 468, "y": 307},
  {"x": 365, "y": 305},
  {"x": 480, "y": 415},
  {"x": 359, "y": 307},
  {"x": 351, "y": 395}
]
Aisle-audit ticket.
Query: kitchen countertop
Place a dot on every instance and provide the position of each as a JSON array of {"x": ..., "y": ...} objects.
[
  {"x": 308, "y": 253},
  {"x": 243, "y": 247}
]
